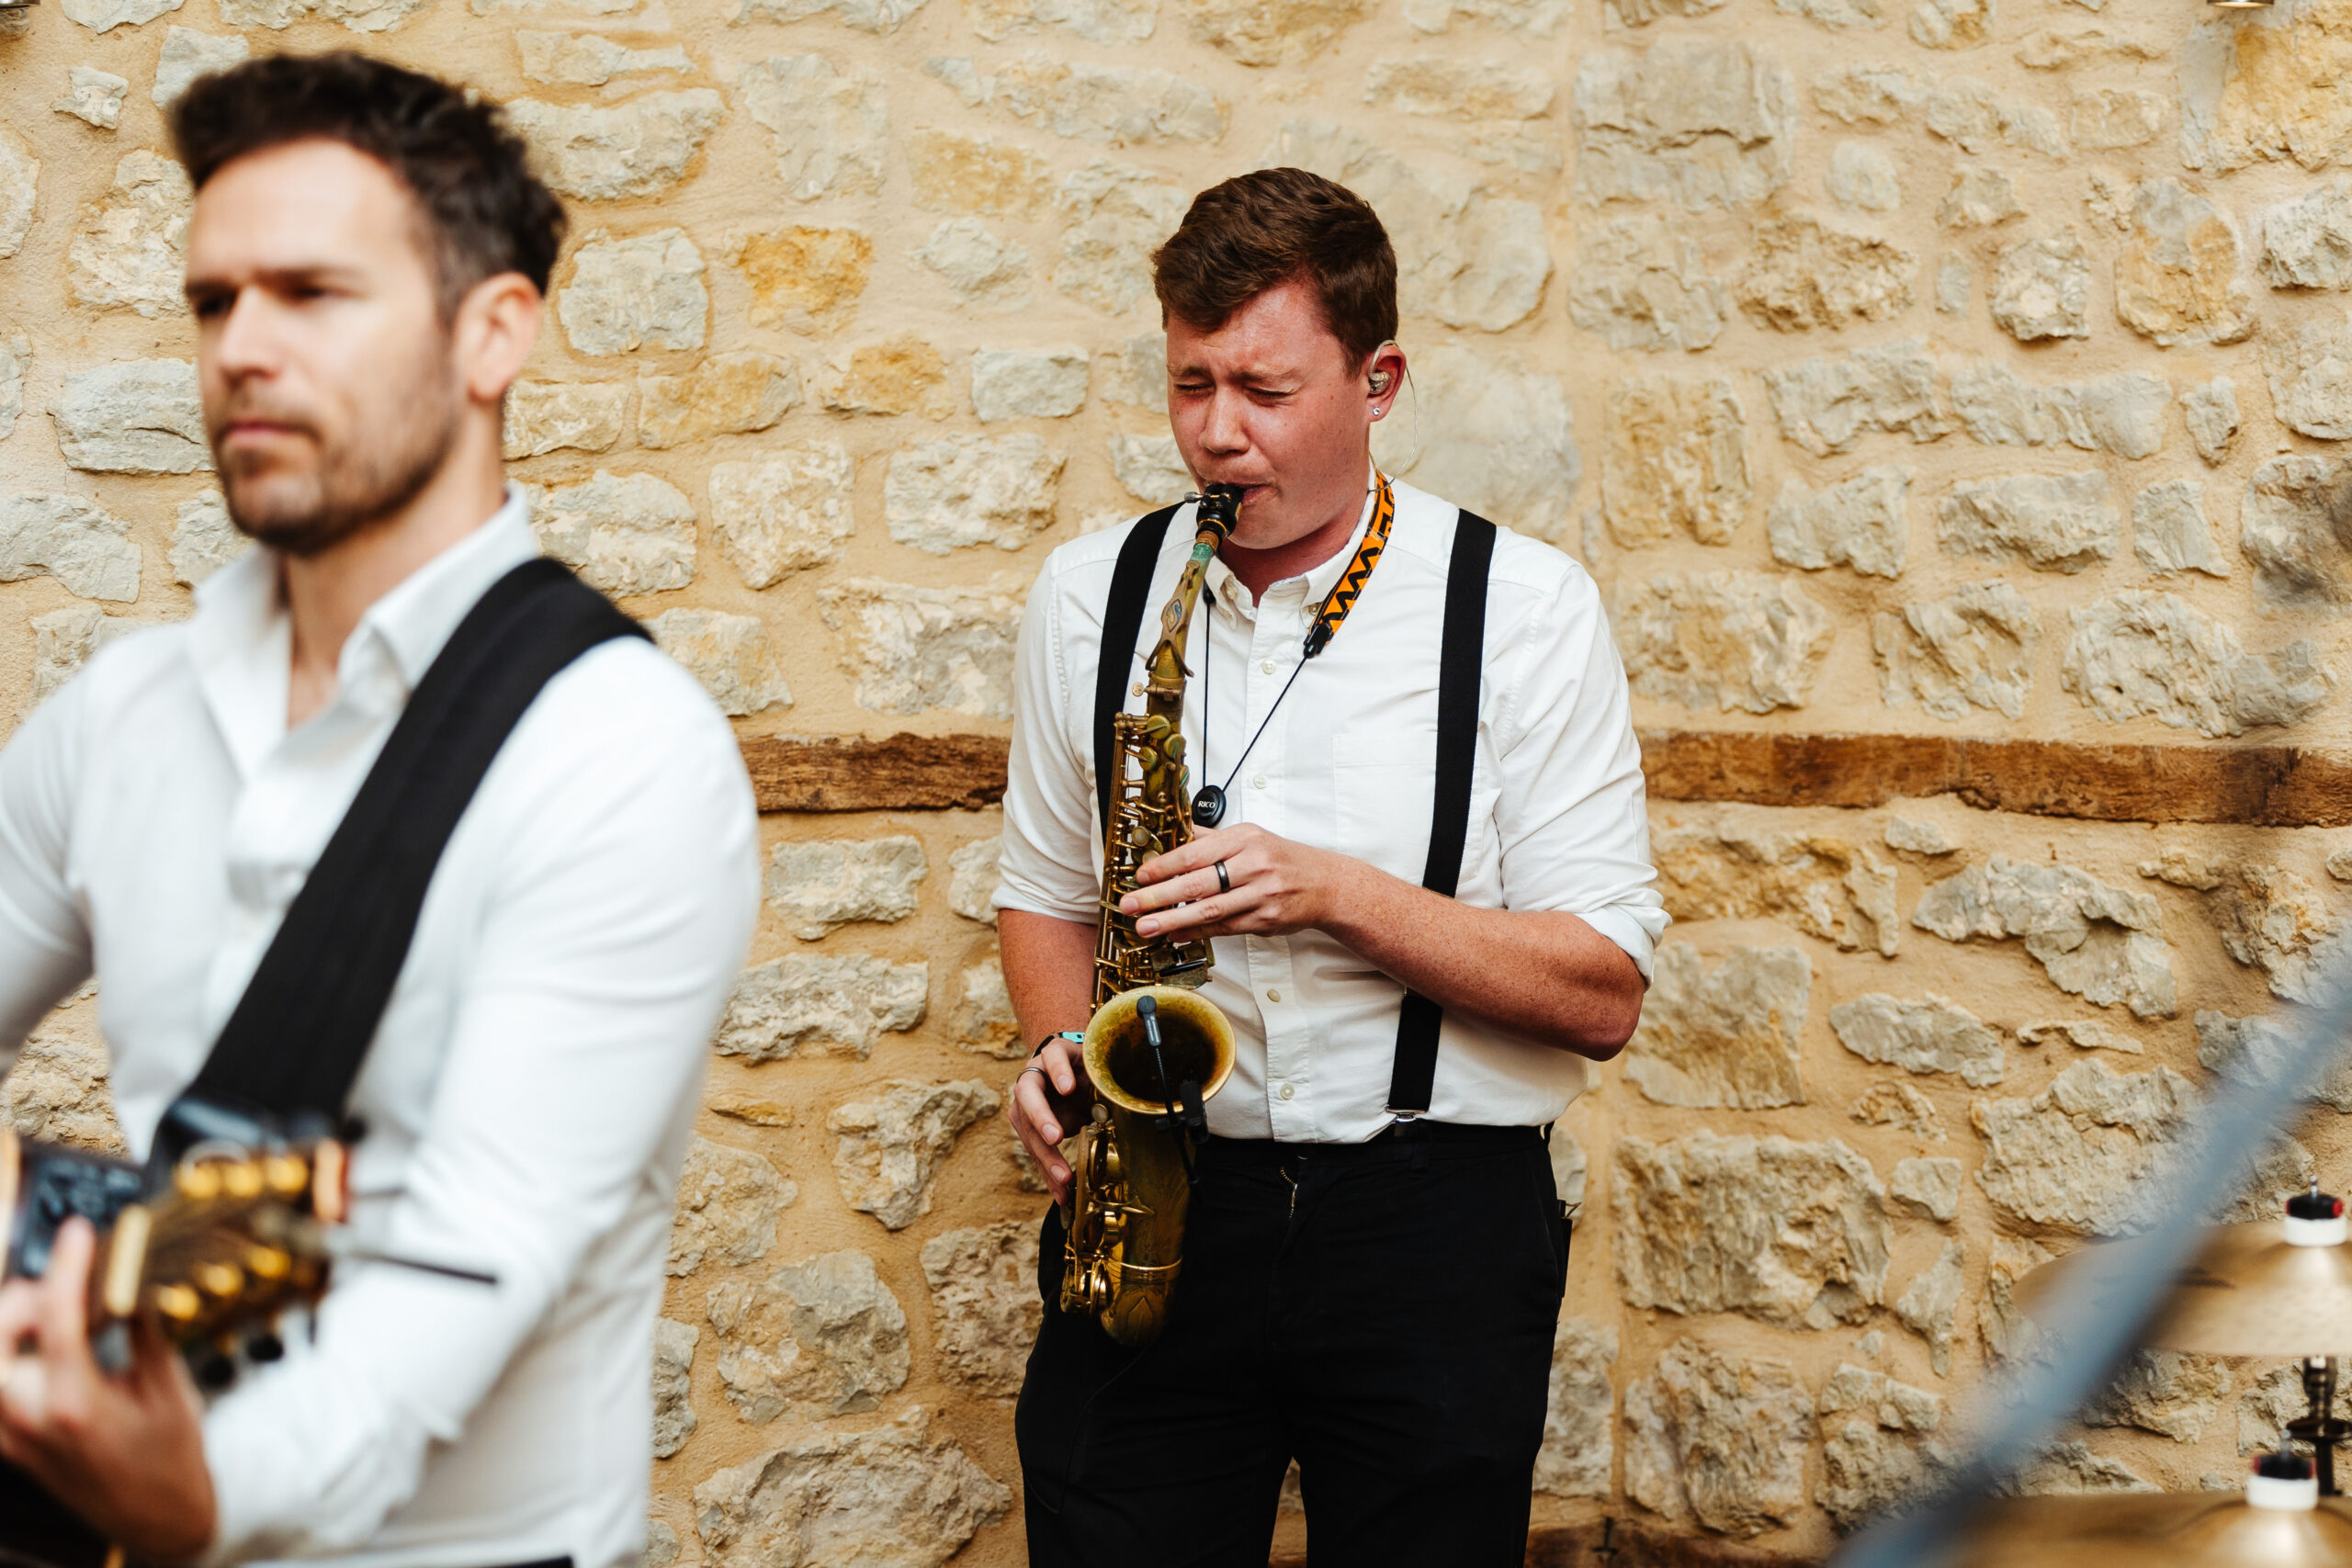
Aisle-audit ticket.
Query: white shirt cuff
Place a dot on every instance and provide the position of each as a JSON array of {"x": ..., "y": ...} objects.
[{"x": 1621, "y": 927}]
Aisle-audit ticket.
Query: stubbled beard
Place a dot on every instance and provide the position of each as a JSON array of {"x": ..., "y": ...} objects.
[{"x": 397, "y": 445}]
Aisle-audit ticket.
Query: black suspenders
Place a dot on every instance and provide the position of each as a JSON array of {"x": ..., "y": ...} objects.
[{"x": 1461, "y": 660}]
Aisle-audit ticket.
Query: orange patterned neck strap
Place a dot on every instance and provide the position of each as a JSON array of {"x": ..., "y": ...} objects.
[{"x": 1349, "y": 587}]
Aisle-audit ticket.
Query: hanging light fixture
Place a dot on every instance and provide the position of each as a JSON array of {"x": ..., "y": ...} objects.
[{"x": 2241, "y": 5}]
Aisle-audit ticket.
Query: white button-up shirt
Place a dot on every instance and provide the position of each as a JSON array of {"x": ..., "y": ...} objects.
[
  {"x": 1348, "y": 763},
  {"x": 531, "y": 1092}
]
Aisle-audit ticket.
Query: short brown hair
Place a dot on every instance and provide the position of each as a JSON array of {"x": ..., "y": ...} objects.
[
  {"x": 483, "y": 211},
  {"x": 1258, "y": 230}
]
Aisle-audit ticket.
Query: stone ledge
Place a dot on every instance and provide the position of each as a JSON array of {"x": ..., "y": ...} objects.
[{"x": 2270, "y": 786}]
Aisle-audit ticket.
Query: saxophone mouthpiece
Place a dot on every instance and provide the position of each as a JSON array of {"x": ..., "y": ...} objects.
[{"x": 1220, "y": 508}]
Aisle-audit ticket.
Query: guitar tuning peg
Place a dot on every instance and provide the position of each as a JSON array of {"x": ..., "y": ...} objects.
[
  {"x": 214, "y": 1368},
  {"x": 264, "y": 1347},
  {"x": 223, "y": 1280}
]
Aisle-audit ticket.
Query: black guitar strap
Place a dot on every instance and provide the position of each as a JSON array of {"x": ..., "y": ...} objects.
[
  {"x": 1461, "y": 664},
  {"x": 302, "y": 1028}
]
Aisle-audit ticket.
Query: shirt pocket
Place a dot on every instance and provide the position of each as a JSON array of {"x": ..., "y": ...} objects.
[{"x": 1381, "y": 793}]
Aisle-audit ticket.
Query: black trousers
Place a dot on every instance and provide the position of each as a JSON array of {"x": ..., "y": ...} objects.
[{"x": 1382, "y": 1312}]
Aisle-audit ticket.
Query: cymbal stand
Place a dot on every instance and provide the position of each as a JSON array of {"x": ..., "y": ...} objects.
[{"x": 2321, "y": 1428}]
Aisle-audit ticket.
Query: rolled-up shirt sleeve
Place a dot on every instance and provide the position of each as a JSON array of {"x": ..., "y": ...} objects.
[
  {"x": 1047, "y": 864},
  {"x": 1573, "y": 813}
]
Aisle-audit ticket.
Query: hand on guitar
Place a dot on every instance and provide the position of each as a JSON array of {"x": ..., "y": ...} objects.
[{"x": 125, "y": 1450}]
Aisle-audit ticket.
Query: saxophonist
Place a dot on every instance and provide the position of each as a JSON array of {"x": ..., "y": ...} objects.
[{"x": 1422, "y": 862}]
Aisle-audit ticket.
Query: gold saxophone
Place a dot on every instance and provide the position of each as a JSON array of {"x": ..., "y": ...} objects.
[{"x": 1154, "y": 1050}]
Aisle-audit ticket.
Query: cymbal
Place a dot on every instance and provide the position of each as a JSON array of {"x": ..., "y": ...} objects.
[
  {"x": 2174, "y": 1529},
  {"x": 2248, "y": 1291}
]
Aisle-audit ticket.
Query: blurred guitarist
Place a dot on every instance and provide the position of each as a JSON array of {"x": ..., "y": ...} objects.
[{"x": 367, "y": 263}]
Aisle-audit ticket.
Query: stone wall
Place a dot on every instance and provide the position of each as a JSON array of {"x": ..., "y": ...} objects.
[{"x": 1900, "y": 368}]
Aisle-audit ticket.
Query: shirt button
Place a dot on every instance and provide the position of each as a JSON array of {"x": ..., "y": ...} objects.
[
  {"x": 1290, "y": 1091},
  {"x": 1257, "y": 783},
  {"x": 1267, "y": 666},
  {"x": 1273, "y": 995}
]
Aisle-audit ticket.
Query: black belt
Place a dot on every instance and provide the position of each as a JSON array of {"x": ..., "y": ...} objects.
[{"x": 1450, "y": 1136}]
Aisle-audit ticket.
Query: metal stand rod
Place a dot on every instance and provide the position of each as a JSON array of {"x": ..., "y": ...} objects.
[{"x": 2320, "y": 1428}]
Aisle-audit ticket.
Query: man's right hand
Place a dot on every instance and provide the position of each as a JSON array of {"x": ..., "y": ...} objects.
[{"x": 1048, "y": 1105}]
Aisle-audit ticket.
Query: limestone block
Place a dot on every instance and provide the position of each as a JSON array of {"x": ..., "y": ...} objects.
[
  {"x": 2212, "y": 411},
  {"x": 556, "y": 416},
  {"x": 979, "y": 268},
  {"x": 887, "y": 1149},
  {"x": 1642, "y": 13},
  {"x": 1899, "y": 1105},
  {"x": 1978, "y": 199},
  {"x": 86, "y": 549},
  {"x": 1536, "y": 18},
  {"x": 728, "y": 394},
  {"x": 964, "y": 489},
  {"x": 815, "y": 1005},
  {"x": 1951, "y": 24},
  {"x": 2124, "y": 415},
  {"x": 2049, "y": 522},
  {"x": 1919, "y": 838},
  {"x": 1460, "y": 89},
  {"x": 661, "y": 1545},
  {"x": 1574, "y": 1458},
  {"x": 2264, "y": 1410},
  {"x": 1464, "y": 254},
  {"x": 1570, "y": 1168},
  {"x": 1114, "y": 216},
  {"x": 2273, "y": 95},
  {"x": 1727, "y": 1037},
  {"x": 804, "y": 279},
  {"x": 832, "y": 126},
  {"x": 204, "y": 539},
  {"x": 2272, "y": 920},
  {"x": 1876, "y": 1450},
  {"x": 1825, "y": 888},
  {"x": 1642, "y": 283},
  {"x": 133, "y": 416},
  {"x": 2169, "y": 533},
  {"x": 673, "y": 1409},
  {"x": 1111, "y": 106},
  {"x": 359, "y": 16},
  {"x": 19, "y": 182},
  {"x": 1134, "y": 371},
  {"x": 1738, "y": 639},
  {"x": 15, "y": 358},
  {"x": 1931, "y": 1036},
  {"x": 2254, "y": 1049},
  {"x": 2083, "y": 1154},
  {"x": 129, "y": 251},
  {"x": 2339, "y": 865},
  {"x": 1860, "y": 178},
  {"x": 2309, "y": 366},
  {"x": 2098, "y": 942},
  {"x": 2106, "y": 119},
  {"x": 600, "y": 153},
  {"x": 817, "y": 886},
  {"x": 1827, "y": 405},
  {"x": 2177, "y": 278},
  {"x": 786, "y": 512},
  {"x": 977, "y": 174},
  {"x": 984, "y": 1299},
  {"x": 728, "y": 654},
  {"x": 645, "y": 290},
  {"x": 866, "y": 15},
  {"x": 2141, "y": 653},
  {"x": 589, "y": 59},
  {"x": 1097, "y": 21},
  {"x": 1874, "y": 97},
  {"x": 2307, "y": 241},
  {"x": 2296, "y": 527},
  {"x": 911, "y": 649},
  {"x": 1929, "y": 1187},
  {"x": 1788, "y": 1232},
  {"x": 1970, "y": 649},
  {"x": 2082, "y": 1033},
  {"x": 64, "y": 639},
  {"x": 900, "y": 375},
  {"x": 99, "y": 15},
  {"x": 1028, "y": 383},
  {"x": 894, "y": 1493},
  {"x": 1718, "y": 1440},
  {"x": 1675, "y": 462},
  {"x": 2071, "y": 1470},
  {"x": 1800, "y": 276},
  {"x": 622, "y": 532},
  {"x": 57, "y": 1090},
  {"x": 1703, "y": 125},
  {"x": 822, "y": 1336},
  {"x": 1270, "y": 32},
  {"x": 972, "y": 880},
  {"x": 188, "y": 54},
  {"x": 2041, "y": 289},
  {"x": 985, "y": 1024},
  {"x": 729, "y": 1199},
  {"x": 1929, "y": 1305},
  {"x": 1859, "y": 524},
  {"x": 2169, "y": 1393},
  {"x": 2008, "y": 1334},
  {"x": 1487, "y": 433},
  {"x": 1976, "y": 118}
]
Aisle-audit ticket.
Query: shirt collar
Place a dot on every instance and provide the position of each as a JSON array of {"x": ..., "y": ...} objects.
[{"x": 1318, "y": 581}]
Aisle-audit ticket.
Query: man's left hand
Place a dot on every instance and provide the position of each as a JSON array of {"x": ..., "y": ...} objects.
[
  {"x": 124, "y": 1450},
  {"x": 1277, "y": 886}
]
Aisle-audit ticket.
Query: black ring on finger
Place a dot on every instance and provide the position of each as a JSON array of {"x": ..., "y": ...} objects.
[{"x": 1224, "y": 881}]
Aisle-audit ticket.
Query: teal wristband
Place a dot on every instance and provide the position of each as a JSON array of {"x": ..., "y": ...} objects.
[{"x": 1072, "y": 1036}]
